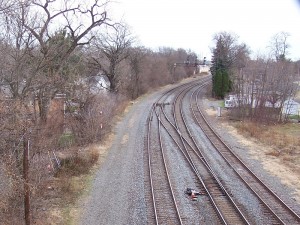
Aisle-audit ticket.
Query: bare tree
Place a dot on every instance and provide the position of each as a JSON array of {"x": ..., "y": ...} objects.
[
  {"x": 279, "y": 45},
  {"x": 47, "y": 46},
  {"x": 109, "y": 50},
  {"x": 236, "y": 53},
  {"x": 180, "y": 62},
  {"x": 136, "y": 58},
  {"x": 264, "y": 86}
]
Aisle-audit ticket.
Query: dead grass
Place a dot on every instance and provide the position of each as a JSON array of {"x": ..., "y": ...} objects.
[
  {"x": 77, "y": 164},
  {"x": 11, "y": 195},
  {"x": 59, "y": 195},
  {"x": 74, "y": 189},
  {"x": 284, "y": 139}
]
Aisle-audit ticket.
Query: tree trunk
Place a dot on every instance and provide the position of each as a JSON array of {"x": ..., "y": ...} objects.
[{"x": 43, "y": 103}]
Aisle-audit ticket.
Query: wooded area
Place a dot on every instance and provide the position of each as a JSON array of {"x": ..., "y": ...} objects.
[
  {"x": 53, "y": 54},
  {"x": 263, "y": 87}
]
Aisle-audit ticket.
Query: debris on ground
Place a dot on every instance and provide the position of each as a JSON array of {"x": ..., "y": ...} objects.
[{"x": 192, "y": 193}]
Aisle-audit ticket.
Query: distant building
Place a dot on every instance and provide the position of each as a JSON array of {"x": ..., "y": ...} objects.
[
  {"x": 231, "y": 101},
  {"x": 203, "y": 68},
  {"x": 95, "y": 84},
  {"x": 99, "y": 83},
  {"x": 291, "y": 107}
]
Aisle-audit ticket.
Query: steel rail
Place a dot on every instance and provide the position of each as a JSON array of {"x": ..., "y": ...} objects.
[
  {"x": 161, "y": 187},
  {"x": 278, "y": 199},
  {"x": 201, "y": 157},
  {"x": 149, "y": 164},
  {"x": 153, "y": 196},
  {"x": 217, "y": 148},
  {"x": 204, "y": 163},
  {"x": 149, "y": 161},
  {"x": 193, "y": 167},
  {"x": 166, "y": 167}
]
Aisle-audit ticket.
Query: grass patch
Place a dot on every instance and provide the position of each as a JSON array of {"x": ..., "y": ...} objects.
[
  {"x": 292, "y": 129},
  {"x": 66, "y": 140},
  {"x": 274, "y": 153},
  {"x": 222, "y": 104},
  {"x": 294, "y": 117},
  {"x": 251, "y": 129}
]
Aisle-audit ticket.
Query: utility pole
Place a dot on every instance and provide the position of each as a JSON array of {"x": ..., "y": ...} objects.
[{"x": 26, "y": 179}]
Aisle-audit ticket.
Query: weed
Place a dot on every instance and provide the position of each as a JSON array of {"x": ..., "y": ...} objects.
[
  {"x": 274, "y": 153},
  {"x": 76, "y": 165}
]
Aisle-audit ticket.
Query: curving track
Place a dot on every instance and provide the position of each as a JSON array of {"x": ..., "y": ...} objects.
[
  {"x": 171, "y": 135},
  {"x": 277, "y": 211}
]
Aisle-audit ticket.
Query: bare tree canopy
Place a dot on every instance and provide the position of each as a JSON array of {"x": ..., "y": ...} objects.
[
  {"x": 279, "y": 45},
  {"x": 235, "y": 53},
  {"x": 7, "y": 5},
  {"x": 42, "y": 35},
  {"x": 109, "y": 49},
  {"x": 264, "y": 87}
]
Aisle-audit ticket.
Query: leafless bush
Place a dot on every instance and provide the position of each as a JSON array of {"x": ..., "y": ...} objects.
[
  {"x": 11, "y": 210},
  {"x": 77, "y": 164},
  {"x": 90, "y": 123}
]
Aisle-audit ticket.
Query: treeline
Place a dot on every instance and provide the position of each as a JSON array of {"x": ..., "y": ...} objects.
[
  {"x": 263, "y": 88},
  {"x": 53, "y": 54}
]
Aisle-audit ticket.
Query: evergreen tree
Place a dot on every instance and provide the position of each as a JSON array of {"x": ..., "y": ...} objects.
[
  {"x": 220, "y": 69},
  {"x": 221, "y": 83},
  {"x": 228, "y": 57}
]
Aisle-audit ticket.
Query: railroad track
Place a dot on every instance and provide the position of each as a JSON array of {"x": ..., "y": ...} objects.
[
  {"x": 167, "y": 199},
  {"x": 167, "y": 123},
  {"x": 163, "y": 209},
  {"x": 277, "y": 211},
  {"x": 224, "y": 208}
]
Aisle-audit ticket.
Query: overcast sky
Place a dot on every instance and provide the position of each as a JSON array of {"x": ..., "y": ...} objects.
[{"x": 191, "y": 24}]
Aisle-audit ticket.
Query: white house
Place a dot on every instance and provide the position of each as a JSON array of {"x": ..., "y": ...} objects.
[
  {"x": 99, "y": 83},
  {"x": 291, "y": 107}
]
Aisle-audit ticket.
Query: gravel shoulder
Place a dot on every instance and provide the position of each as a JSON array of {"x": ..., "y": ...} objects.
[{"x": 117, "y": 193}]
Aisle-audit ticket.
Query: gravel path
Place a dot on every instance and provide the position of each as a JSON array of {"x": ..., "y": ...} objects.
[{"x": 117, "y": 195}]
